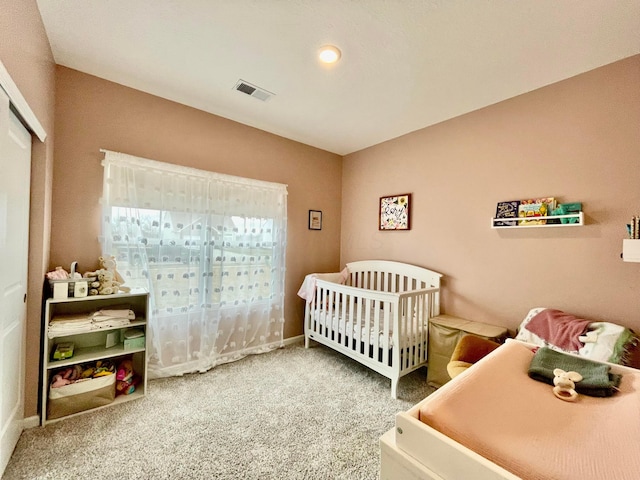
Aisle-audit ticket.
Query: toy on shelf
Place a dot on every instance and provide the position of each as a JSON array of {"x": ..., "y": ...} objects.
[
  {"x": 568, "y": 209},
  {"x": 80, "y": 373},
  {"x": 109, "y": 264},
  {"x": 109, "y": 281},
  {"x": 63, "y": 351},
  {"x": 126, "y": 378},
  {"x": 58, "y": 274}
]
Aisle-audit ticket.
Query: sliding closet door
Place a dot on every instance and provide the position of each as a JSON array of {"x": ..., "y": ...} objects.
[{"x": 15, "y": 170}]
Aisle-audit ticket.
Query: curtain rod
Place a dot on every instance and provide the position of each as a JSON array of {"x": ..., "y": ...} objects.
[{"x": 191, "y": 171}]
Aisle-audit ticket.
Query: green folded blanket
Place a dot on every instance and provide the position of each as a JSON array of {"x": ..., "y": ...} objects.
[{"x": 597, "y": 381}]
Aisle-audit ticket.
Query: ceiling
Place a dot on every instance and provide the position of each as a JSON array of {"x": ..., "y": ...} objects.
[{"x": 406, "y": 64}]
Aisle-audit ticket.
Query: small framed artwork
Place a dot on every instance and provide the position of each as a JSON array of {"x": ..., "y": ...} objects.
[
  {"x": 315, "y": 220},
  {"x": 395, "y": 212}
]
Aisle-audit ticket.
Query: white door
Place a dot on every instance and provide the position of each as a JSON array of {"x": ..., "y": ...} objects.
[{"x": 15, "y": 171}]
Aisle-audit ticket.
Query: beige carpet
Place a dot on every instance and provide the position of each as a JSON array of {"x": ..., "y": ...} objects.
[{"x": 289, "y": 414}]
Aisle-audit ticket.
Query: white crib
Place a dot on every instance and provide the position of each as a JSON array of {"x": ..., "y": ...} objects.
[{"x": 379, "y": 316}]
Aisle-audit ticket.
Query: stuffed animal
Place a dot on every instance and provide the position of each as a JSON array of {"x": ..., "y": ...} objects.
[
  {"x": 128, "y": 387},
  {"x": 125, "y": 370},
  {"x": 109, "y": 264},
  {"x": 564, "y": 387},
  {"x": 103, "y": 368},
  {"x": 105, "y": 283},
  {"x": 80, "y": 373},
  {"x": 108, "y": 284},
  {"x": 94, "y": 287},
  {"x": 59, "y": 381},
  {"x": 126, "y": 379},
  {"x": 66, "y": 376},
  {"x": 109, "y": 281}
]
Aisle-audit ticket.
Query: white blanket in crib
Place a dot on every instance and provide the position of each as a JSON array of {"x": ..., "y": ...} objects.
[
  {"x": 340, "y": 324},
  {"x": 308, "y": 287}
]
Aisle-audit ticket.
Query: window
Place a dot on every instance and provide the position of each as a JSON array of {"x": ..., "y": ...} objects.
[{"x": 210, "y": 249}]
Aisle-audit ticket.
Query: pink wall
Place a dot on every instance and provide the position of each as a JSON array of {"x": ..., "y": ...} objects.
[
  {"x": 577, "y": 140},
  {"x": 92, "y": 113},
  {"x": 25, "y": 53}
]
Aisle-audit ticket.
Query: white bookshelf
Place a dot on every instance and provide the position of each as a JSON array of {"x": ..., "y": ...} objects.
[{"x": 90, "y": 346}]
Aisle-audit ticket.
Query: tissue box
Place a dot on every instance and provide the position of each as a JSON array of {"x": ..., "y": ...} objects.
[
  {"x": 134, "y": 338},
  {"x": 130, "y": 343}
]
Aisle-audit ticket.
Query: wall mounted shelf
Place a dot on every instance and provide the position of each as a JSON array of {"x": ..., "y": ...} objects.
[
  {"x": 579, "y": 216},
  {"x": 631, "y": 250}
]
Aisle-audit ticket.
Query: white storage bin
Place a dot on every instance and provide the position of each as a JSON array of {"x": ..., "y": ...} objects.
[{"x": 80, "y": 396}]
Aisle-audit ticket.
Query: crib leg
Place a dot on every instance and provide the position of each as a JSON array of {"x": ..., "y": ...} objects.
[
  {"x": 394, "y": 388},
  {"x": 306, "y": 342}
]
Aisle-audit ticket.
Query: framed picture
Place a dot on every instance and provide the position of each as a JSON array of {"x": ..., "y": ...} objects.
[
  {"x": 315, "y": 220},
  {"x": 395, "y": 213}
]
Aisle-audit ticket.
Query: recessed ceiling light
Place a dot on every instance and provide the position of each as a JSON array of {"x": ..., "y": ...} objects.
[{"x": 329, "y": 54}]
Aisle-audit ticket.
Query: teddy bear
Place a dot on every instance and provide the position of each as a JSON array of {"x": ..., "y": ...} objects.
[
  {"x": 565, "y": 385},
  {"x": 106, "y": 280},
  {"x": 94, "y": 284},
  {"x": 108, "y": 284},
  {"x": 94, "y": 287},
  {"x": 109, "y": 264},
  {"x": 104, "y": 283}
]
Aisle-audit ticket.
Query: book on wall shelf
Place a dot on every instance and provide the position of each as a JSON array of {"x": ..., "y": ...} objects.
[
  {"x": 633, "y": 228},
  {"x": 538, "y": 212},
  {"x": 535, "y": 207},
  {"x": 507, "y": 209}
]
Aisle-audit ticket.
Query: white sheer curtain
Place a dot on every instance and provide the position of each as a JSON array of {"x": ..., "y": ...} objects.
[{"x": 210, "y": 248}]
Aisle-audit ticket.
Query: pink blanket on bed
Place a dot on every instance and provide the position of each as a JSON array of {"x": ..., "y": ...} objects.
[
  {"x": 496, "y": 410},
  {"x": 559, "y": 328}
]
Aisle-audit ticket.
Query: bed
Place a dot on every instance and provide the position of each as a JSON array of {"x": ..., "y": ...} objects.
[
  {"x": 494, "y": 422},
  {"x": 376, "y": 312}
]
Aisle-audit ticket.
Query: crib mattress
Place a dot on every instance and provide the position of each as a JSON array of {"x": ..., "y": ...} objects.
[
  {"x": 342, "y": 324},
  {"x": 496, "y": 410}
]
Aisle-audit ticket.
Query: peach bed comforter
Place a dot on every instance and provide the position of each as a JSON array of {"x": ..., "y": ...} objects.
[{"x": 496, "y": 410}]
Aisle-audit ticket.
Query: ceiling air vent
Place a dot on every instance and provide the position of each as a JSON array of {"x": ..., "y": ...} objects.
[{"x": 253, "y": 90}]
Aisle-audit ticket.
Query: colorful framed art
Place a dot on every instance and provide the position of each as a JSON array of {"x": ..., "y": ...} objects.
[{"x": 395, "y": 212}]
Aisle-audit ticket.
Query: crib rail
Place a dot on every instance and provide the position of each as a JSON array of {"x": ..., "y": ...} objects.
[
  {"x": 412, "y": 327},
  {"x": 395, "y": 277},
  {"x": 386, "y": 331}
]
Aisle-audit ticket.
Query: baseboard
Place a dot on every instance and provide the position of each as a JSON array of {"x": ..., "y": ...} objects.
[
  {"x": 292, "y": 340},
  {"x": 274, "y": 345},
  {"x": 31, "y": 422}
]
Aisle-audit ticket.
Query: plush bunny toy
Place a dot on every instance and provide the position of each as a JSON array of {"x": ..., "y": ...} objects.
[{"x": 564, "y": 385}]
